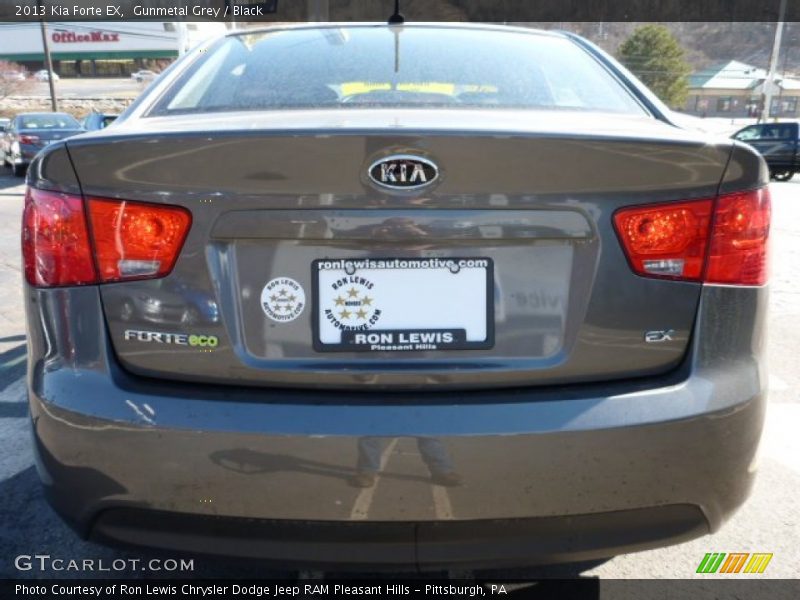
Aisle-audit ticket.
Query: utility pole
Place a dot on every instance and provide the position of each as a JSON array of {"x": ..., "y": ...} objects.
[
  {"x": 181, "y": 38},
  {"x": 769, "y": 82},
  {"x": 318, "y": 11},
  {"x": 48, "y": 60}
]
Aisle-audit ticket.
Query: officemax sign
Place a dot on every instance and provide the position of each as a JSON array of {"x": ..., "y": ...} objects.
[{"x": 70, "y": 37}]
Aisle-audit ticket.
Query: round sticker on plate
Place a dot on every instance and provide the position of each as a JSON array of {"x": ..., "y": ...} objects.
[{"x": 283, "y": 299}]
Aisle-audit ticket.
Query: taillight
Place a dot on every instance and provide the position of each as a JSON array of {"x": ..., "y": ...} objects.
[
  {"x": 666, "y": 240},
  {"x": 738, "y": 252},
  {"x": 28, "y": 139},
  {"x": 55, "y": 241},
  {"x": 121, "y": 241},
  {"x": 134, "y": 240},
  {"x": 716, "y": 241}
]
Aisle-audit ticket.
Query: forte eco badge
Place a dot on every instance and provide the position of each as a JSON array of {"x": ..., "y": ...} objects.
[{"x": 180, "y": 339}]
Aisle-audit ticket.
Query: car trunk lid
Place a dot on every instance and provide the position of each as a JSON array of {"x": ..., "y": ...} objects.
[{"x": 506, "y": 271}]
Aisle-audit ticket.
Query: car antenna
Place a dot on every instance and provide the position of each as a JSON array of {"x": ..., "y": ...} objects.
[{"x": 396, "y": 18}]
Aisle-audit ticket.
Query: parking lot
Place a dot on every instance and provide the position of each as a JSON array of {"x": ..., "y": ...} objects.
[
  {"x": 94, "y": 87},
  {"x": 769, "y": 522}
]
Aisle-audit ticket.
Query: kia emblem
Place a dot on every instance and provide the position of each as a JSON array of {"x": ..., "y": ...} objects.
[{"x": 403, "y": 172}]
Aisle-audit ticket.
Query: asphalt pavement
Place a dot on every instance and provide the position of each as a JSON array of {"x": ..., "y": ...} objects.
[
  {"x": 769, "y": 522},
  {"x": 89, "y": 87}
]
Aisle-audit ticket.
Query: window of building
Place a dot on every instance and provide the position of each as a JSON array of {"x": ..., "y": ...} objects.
[
  {"x": 783, "y": 106},
  {"x": 724, "y": 104}
]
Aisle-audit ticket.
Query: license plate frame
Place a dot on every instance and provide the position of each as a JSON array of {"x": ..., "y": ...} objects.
[{"x": 403, "y": 340}]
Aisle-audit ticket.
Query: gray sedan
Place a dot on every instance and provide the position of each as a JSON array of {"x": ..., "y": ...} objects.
[
  {"x": 30, "y": 132},
  {"x": 478, "y": 301}
]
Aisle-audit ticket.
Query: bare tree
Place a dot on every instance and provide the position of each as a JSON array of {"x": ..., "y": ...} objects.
[{"x": 13, "y": 80}]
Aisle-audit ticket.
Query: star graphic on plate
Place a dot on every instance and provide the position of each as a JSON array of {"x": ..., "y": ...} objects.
[
  {"x": 361, "y": 313},
  {"x": 345, "y": 314},
  {"x": 274, "y": 298},
  {"x": 367, "y": 301},
  {"x": 292, "y": 298},
  {"x": 283, "y": 292},
  {"x": 339, "y": 301},
  {"x": 353, "y": 293}
]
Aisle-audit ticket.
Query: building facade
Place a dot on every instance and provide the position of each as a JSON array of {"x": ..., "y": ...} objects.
[
  {"x": 96, "y": 49},
  {"x": 736, "y": 90}
]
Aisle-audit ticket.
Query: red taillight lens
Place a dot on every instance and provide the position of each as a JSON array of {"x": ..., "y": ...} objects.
[
  {"x": 666, "y": 240},
  {"x": 28, "y": 139},
  {"x": 134, "y": 240},
  {"x": 130, "y": 240},
  {"x": 722, "y": 241},
  {"x": 738, "y": 253},
  {"x": 55, "y": 242}
]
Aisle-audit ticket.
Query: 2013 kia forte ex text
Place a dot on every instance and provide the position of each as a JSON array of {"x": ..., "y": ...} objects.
[{"x": 404, "y": 297}]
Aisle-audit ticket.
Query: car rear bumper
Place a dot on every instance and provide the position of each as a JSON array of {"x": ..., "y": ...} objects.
[
  {"x": 427, "y": 545},
  {"x": 547, "y": 474}
]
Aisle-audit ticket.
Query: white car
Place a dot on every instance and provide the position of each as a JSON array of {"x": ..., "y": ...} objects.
[
  {"x": 13, "y": 76},
  {"x": 144, "y": 75},
  {"x": 43, "y": 75}
]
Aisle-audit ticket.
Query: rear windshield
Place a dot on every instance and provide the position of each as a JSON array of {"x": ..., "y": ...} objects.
[
  {"x": 54, "y": 121},
  {"x": 407, "y": 67}
]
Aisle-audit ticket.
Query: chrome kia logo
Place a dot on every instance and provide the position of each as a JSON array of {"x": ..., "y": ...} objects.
[{"x": 403, "y": 172}]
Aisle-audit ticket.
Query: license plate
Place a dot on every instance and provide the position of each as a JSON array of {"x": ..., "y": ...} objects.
[{"x": 403, "y": 304}]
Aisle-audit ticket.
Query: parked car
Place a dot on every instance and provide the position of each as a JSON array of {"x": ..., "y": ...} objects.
[
  {"x": 144, "y": 75},
  {"x": 417, "y": 290},
  {"x": 30, "y": 132},
  {"x": 44, "y": 75},
  {"x": 170, "y": 301},
  {"x": 96, "y": 120},
  {"x": 13, "y": 76},
  {"x": 778, "y": 144}
]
